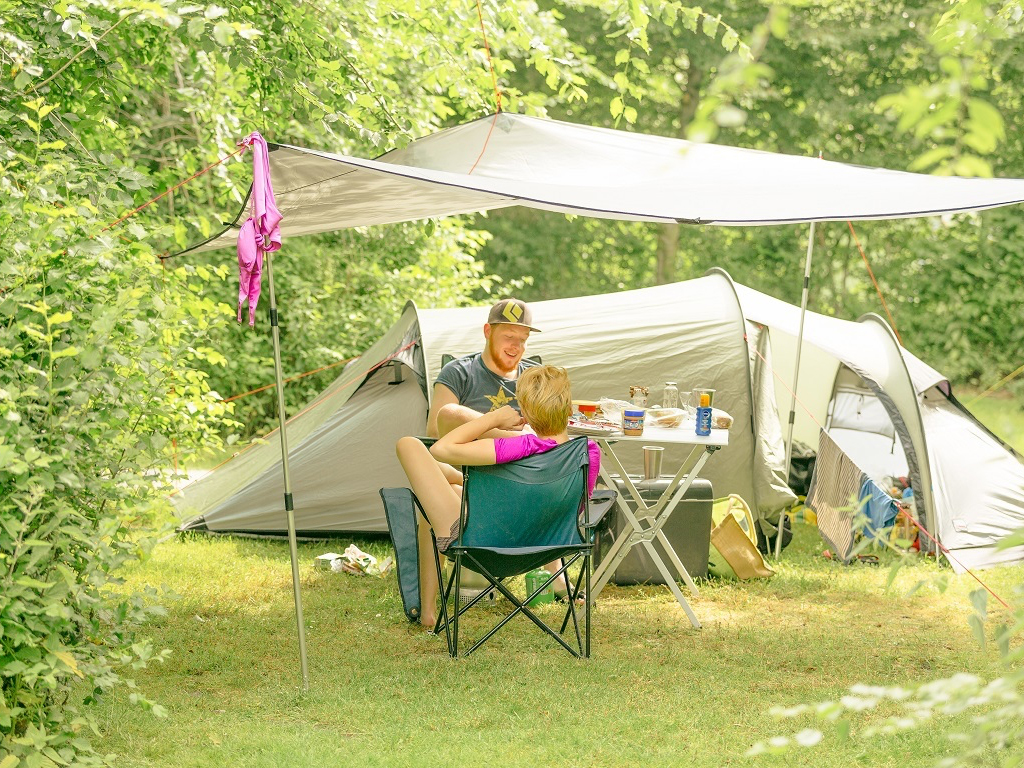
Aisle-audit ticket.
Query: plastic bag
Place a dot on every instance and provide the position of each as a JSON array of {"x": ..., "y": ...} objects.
[
  {"x": 665, "y": 417},
  {"x": 720, "y": 419},
  {"x": 612, "y": 409}
]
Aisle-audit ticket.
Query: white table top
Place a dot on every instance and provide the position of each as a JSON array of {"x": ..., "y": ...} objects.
[{"x": 669, "y": 435}]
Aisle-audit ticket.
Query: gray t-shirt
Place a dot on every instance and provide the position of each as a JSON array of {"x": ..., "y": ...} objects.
[{"x": 477, "y": 386}]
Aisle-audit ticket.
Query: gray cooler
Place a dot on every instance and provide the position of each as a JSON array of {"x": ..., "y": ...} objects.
[{"x": 688, "y": 530}]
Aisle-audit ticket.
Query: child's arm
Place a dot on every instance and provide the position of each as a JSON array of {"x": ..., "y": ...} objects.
[{"x": 463, "y": 446}]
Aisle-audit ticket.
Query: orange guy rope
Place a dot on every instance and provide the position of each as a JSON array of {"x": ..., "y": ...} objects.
[
  {"x": 494, "y": 79},
  {"x": 171, "y": 189},
  {"x": 946, "y": 552},
  {"x": 289, "y": 380},
  {"x": 875, "y": 282},
  {"x": 316, "y": 402},
  {"x": 487, "y": 50}
]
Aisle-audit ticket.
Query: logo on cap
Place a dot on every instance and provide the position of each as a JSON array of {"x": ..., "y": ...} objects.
[{"x": 512, "y": 312}]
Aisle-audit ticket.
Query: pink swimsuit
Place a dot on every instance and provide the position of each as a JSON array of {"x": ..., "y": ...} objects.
[{"x": 261, "y": 232}]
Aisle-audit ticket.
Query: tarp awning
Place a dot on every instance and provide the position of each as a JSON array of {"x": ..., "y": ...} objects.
[{"x": 509, "y": 159}]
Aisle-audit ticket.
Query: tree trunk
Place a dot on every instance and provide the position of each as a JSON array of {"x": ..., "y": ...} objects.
[
  {"x": 668, "y": 234},
  {"x": 668, "y": 249}
]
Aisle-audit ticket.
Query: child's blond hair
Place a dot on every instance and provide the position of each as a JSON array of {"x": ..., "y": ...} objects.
[{"x": 545, "y": 398}]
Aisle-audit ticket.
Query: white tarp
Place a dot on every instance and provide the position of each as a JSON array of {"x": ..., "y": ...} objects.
[{"x": 509, "y": 159}]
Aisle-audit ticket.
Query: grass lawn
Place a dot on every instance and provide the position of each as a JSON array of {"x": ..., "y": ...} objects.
[{"x": 656, "y": 692}]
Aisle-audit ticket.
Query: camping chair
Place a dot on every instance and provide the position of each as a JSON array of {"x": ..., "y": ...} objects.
[{"x": 516, "y": 517}]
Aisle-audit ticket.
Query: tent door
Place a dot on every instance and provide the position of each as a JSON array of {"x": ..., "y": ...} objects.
[{"x": 860, "y": 425}]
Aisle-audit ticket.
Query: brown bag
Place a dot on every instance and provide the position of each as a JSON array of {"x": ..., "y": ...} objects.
[{"x": 739, "y": 551}]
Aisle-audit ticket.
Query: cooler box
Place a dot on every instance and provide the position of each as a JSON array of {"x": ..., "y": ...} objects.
[{"x": 688, "y": 530}]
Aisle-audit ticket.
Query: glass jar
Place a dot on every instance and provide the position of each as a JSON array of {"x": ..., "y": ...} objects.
[{"x": 670, "y": 395}]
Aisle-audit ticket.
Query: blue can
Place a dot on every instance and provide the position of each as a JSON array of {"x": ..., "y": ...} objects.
[{"x": 703, "y": 422}]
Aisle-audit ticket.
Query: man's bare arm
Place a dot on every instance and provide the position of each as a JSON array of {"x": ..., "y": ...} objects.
[{"x": 442, "y": 396}]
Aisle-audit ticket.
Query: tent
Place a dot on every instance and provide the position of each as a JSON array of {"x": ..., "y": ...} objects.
[{"x": 708, "y": 332}]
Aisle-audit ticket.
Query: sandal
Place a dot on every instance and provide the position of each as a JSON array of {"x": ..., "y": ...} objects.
[{"x": 562, "y": 596}]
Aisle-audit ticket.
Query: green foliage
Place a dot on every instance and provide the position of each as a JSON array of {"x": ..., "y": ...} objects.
[
  {"x": 995, "y": 729},
  {"x": 97, "y": 378}
]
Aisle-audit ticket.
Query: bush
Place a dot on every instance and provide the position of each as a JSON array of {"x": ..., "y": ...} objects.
[{"x": 97, "y": 381}]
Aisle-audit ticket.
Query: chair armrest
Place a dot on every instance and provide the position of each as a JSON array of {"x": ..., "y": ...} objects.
[{"x": 600, "y": 503}]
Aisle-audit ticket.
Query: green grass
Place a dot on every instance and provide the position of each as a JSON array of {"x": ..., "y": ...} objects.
[{"x": 656, "y": 692}]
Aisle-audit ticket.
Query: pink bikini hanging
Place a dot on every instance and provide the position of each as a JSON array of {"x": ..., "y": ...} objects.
[{"x": 261, "y": 232}]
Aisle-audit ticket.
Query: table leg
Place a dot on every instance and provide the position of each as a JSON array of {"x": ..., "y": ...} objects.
[
  {"x": 663, "y": 516},
  {"x": 680, "y": 568},
  {"x": 622, "y": 544},
  {"x": 671, "y": 582}
]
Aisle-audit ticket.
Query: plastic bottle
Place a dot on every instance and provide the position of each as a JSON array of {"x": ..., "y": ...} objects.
[
  {"x": 908, "y": 499},
  {"x": 704, "y": 415}
]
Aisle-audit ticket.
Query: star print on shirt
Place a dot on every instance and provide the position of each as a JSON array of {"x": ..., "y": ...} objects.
[{"x": 499, "y": 399}]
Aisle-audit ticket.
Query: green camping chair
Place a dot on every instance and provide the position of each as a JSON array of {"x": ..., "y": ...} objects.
[{"x": 517, "y": 517}]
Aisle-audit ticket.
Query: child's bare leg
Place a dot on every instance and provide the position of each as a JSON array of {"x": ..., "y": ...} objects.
[
  {"x": 440, "y": 501},
  {"x": 428, "y": 576}
]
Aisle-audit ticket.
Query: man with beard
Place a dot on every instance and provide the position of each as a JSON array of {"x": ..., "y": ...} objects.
[{"x": 485, "y": 381}]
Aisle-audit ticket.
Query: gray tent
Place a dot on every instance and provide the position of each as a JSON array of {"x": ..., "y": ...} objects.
[{"x": 707, "y": 332}]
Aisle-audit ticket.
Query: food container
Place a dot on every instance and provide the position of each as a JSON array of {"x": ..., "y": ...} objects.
[
  {"x": 670, "y": 395},
  {"x": 633, "y": 422},
  {"x": 665, "y": 417}
]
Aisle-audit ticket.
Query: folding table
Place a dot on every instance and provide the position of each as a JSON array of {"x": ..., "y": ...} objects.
[{"x": 645, "y": 525}]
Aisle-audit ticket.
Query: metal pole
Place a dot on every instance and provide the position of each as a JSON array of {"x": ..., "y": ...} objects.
[
  {"x": 288, "y": 505},
  {"x": 796, "y": 375}
]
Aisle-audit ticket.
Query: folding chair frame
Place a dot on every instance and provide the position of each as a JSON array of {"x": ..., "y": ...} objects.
[{"x": 448, "y": 621}]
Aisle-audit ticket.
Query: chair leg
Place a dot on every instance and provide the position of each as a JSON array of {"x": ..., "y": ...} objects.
[
  {"x": 521, "y": 607},
  {"x": 571, "y": 599},
  {"x": 444, "y": 590},
  {"x": 588, "y": 566},
  {"x": 457, "y": 578}
]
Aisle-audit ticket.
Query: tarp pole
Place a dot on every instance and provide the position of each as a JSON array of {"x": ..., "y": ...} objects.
[
  {"x": 288, "y": 505},
  {"x": 796, "y": 375}
]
